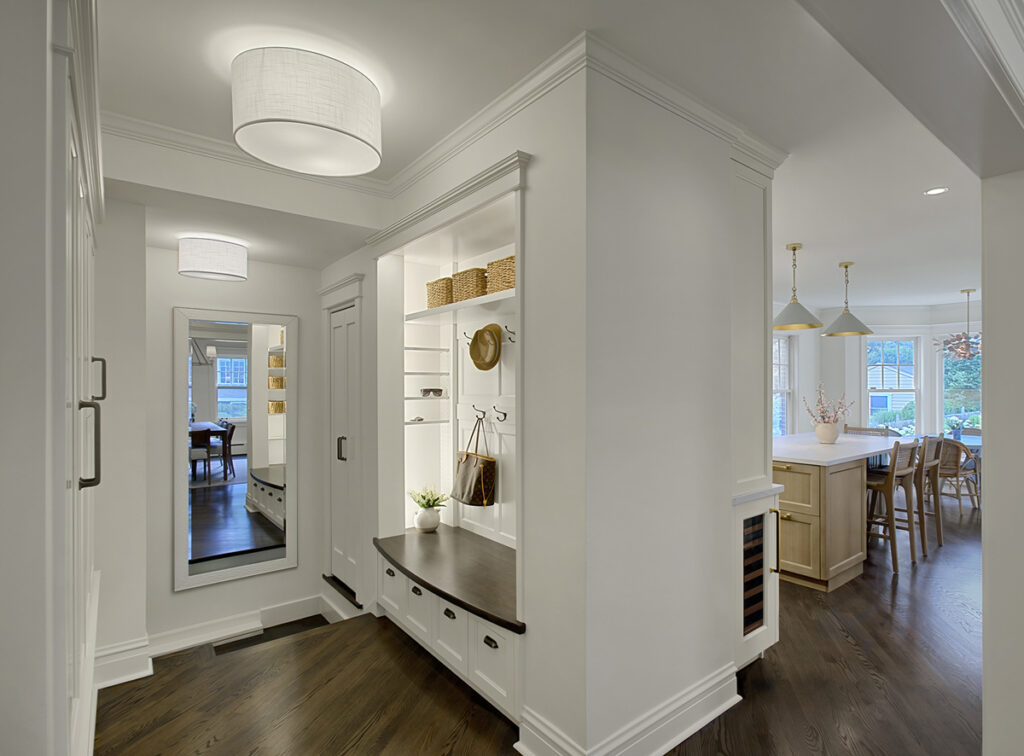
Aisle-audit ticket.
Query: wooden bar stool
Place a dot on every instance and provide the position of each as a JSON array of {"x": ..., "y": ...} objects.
[
  {"x": 884, "y": 481},
  {"x": 926, "y": 481},
  {"x": 958, "y": 464}
]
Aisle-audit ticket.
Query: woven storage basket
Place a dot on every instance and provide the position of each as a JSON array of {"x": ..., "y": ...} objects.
[
  {"x": 275, "y": 360},
  {"x": 467, "y": 284},
  {"x": 275, "y": 381},
  {"x": 501, "y": 274},
  {"x": 275, "y": 408},
  {"x": 439, "y": 292}
]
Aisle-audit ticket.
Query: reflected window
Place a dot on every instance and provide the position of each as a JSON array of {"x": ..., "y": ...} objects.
[{"x": 232, "y": 387}]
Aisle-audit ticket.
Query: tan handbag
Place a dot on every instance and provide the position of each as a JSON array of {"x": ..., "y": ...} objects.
[{"x": 476, "y": 475}]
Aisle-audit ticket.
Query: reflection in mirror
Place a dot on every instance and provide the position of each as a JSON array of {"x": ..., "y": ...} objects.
[{"x": 234, "y": 508}]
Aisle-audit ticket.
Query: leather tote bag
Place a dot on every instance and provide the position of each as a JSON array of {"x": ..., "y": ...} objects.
[{"x": 476, "y": 475}]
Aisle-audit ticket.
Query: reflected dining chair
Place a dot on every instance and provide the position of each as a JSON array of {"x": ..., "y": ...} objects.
[
  {"x": 222, "y": 449},
  {"x": 926, "y": 483},
  {"x": 200, "y": 450},
  {"x": 958, "y": 465},
  {"x": 884, "y": 482}
]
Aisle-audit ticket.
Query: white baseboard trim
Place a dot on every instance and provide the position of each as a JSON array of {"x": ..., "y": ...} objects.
[
  {"x": 673, "y": 721},
  {"x": 336, "y": 611},
  {"x": 131, "y": 660},
  {"x": 653, "y": 733}
]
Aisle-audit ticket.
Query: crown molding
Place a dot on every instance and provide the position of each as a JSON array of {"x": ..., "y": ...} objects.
[
  {"x": 514, "y": 163},
  {"x": 158, "y": 135},
  {"x": 584, "y": 52},
  {"x": 1001, "y": 55},
  {"x": 355, "y": 281}
]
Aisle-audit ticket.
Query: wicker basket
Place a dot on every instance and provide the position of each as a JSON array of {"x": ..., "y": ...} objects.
[
  {"x": 275, "y": 360},
  {"x": 276, "y": 408},
  {"x": 275, "y": 381},
  {"x": 501, "y": 274},
  {"x": 467, "y": 284},
  {"x": 439, "y": 292}
]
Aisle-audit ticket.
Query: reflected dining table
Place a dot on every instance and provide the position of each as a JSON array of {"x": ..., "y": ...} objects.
[{"x": 215, "y": 432}]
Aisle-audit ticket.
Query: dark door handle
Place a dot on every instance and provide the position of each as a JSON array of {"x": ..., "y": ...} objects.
[
  {"x": 95, "y": 479},
  {"x": 416, "y": 590},
  {"x": 103, "y": 378},
  {"x": 341, "y": 448},
  {"x": 449, "y": 614},
  {"x": 389, "y": 572},
  {"x": 489, "y": 641},
  {"x": 778, "y": 536}
]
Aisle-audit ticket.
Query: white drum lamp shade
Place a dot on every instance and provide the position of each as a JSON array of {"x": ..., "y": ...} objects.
[
  {"x": 306, "y": 112},
  {"x": 213, "y": 258}
]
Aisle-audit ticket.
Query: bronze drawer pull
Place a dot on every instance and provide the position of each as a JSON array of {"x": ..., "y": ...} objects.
[
  {"x": 389, "y": 572},
  {"x": 489, "y": 641},
  {"x": 785, "y": 515},
  {"x": 782, "y": 468},
  {"x": 449, "y": 614},
  {"x": 778, "y": 549},
  {"x": 416, "y": 590}
]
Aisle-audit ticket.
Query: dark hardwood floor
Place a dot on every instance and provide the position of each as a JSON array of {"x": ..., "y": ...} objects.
[
  {"x": 220, "y": 524},
  {"x": 887, "y": 665}
]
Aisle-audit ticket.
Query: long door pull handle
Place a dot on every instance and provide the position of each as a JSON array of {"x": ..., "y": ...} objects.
[
  {"x": 103, "y": 378},
  {"x": 341, "y": 448},
  {"x": 95, "y": 479},
  {"x": 778, "y": 538},
  {"x": 489, "y": 641}
]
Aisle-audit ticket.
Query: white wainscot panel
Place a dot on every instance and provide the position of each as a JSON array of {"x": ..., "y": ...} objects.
[{"x": 507, "y": 368}]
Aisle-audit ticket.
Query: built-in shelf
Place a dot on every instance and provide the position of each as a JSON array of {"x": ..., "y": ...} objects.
[
  {"x": 277, "y": 395},
  {"x": 427, "y": 349},
  {"x": 276, "y": 371},
  {"x": 276, "y": 349},
  {"x": 424, "y": 398},
  {"x": 427, "y": 422},
  {"x": 426, "y": 372},
  {"x": 499, "y": 302}
]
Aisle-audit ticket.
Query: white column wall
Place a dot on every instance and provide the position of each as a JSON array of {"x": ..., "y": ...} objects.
[
  {"x": 278, "y": 289},
  {"x": 1002, "y": 368},
  {"x": 120, "y": 524},
  {"x": 658, "y": 353}
]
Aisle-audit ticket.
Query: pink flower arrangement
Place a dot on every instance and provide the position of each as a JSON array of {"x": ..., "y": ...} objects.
[{"x": 826, "y": 412}]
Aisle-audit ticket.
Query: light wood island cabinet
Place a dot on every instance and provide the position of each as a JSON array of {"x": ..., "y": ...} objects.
[{"x": 822, "y": 508}]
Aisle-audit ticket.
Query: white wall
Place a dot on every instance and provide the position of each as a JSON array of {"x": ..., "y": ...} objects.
[
  {"x": 1003, "y": 365},
  {"x": 276, "y": 289},
  {"x": 659, "y": 472},
  {"x": 120, "y": 278}
]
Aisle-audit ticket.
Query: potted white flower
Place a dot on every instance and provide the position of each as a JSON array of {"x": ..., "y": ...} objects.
[
  {"x": 826, "y": 416},
  {"x": 429, "y": 501}
]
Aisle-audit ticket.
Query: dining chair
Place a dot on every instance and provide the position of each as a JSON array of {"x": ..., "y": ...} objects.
[
  {"x": 878, "y": 460},
  {"x": 971, "y": 432},
  {"x": 884, "y": 482},
  {"x": 926, "y": 483},
  {"x": 959, "y": 466},
  {"x": 224, "y": 450},
  {"x": 200, "y": 450}
]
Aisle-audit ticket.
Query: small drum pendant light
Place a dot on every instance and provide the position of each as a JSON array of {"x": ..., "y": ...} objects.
[
  {"x": 306, "y": 112},
  {"x": 794, "y": 316},
  {"x": 212, "y": 258},
  {"x": 846, "y": 324}
]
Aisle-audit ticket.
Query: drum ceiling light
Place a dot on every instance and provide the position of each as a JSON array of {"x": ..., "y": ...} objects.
[
  {"x": 212, "y": 258},
  {"x": 305, "y": 111},
  {"x": 795, "y": 316}
]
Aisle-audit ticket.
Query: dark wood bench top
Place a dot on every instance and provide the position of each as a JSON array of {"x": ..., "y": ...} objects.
[{"x": 464, "y": 568}]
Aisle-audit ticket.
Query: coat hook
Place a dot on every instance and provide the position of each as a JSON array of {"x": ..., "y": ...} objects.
[
  {"x": 481, "y": 414},
  {"x": 511, "y": 333},
  {"x": 501, "y": 415},
  {"x": 468, "y": 337}
]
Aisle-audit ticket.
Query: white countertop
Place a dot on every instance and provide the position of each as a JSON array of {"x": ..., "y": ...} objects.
[{"x": 804, "y": 449}]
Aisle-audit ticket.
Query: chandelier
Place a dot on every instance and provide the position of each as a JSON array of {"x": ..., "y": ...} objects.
[{"x": 962, "y": 346}]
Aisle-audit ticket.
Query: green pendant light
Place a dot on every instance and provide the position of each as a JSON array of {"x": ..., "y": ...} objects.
[
  {"x": 795, "y": 316},
  {"x": 846, "y": 324}
]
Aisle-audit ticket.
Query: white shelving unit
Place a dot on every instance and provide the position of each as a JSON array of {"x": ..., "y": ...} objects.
[{"x": 501, "y": 302}]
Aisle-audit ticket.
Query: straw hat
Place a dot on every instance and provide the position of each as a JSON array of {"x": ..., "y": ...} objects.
[{"x": 485, "y": 348}]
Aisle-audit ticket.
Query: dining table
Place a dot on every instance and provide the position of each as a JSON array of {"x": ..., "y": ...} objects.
[{"x": 216, "y": 431}]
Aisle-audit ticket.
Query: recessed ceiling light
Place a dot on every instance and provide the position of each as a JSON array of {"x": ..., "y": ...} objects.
[{"x": 936, "y": 190}]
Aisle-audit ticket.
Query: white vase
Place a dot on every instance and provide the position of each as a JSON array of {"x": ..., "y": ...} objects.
[
  {"x": 827, "y": 433},
  {"x": 427, "y": 520}
]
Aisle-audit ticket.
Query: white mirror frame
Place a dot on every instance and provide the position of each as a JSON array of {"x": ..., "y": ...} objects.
[{"x": 179, "y": 429}]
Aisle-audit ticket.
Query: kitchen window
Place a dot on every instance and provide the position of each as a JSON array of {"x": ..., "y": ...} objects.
[
  {"x": 892, "y": 385},
  {"x": 782, "y": 385}
]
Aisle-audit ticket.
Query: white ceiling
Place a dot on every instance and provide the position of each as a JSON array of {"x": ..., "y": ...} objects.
[
  {"x": 850, "y": 190},
  {"x": 271, "y": 236}
]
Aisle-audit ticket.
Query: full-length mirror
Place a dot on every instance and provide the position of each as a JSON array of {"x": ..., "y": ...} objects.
[{"x": 234, "y": 444}]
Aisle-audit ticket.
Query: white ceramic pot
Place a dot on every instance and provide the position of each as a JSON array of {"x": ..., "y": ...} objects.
[
  {"x": 827, "y": 433},
  {"x": 427, "y": 520}
]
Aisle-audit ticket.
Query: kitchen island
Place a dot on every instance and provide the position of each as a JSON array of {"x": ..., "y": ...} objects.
[{"x": 822, "y": 509}]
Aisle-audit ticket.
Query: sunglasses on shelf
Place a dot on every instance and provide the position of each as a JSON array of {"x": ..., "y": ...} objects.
[{"x": 431, "y": 392}]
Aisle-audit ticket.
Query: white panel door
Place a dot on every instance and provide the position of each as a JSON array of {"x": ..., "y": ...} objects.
[{"x": 346, "y": 520}]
